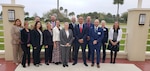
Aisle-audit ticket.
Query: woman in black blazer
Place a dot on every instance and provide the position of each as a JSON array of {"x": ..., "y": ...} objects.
[
  {"x": 37, "y": 42},
  {"x": 25, "y": 44},
  {"x": 48, "y": 43}
]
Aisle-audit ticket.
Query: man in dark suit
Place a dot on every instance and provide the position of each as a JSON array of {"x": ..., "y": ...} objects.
[
  {"x": 105, "y": 39},
  {"x": 89, "y": 25},
  {"x": 80, "y": 40},
  {"x": 48, "y": 43},
  {"x": 72, "y": 27},
  {"x": 96, "y": 36}
]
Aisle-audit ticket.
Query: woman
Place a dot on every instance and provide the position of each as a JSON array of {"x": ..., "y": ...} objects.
[
  {"x": 66, "y": 38},
  {"x": 37, "y": 42},
  {"x": 115, "y": 35},
  {"x": 15, "y": 33},
  {"x": 25, "y": 44},
  {"x": 56, "y": 40},
  {"x": 48, "y": 43}
]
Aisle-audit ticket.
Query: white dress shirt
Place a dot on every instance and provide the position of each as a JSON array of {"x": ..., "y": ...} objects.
[
  {"x": 56, "y": 34},
  {"x": 111, "y": 32}
]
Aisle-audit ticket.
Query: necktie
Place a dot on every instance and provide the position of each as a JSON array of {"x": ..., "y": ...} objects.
[
  {"x": 80, "y": 29},
  {"x": 88, "y": 25}
]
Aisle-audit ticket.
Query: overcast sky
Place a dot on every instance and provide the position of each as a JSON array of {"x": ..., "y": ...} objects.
[{"x": 77, "y": 6}]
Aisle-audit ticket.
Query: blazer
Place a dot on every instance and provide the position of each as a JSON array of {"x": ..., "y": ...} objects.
[
  {"x": 25, "y": 38},
  {"x": 56, "y": 34},
  {"x": 35, "y": 38},
  {"x": 79, "y": 35},
  {"x": 96, "y": 35},
  {"x": 111, "y": 32},
  {"x": 71, "y": 27},
  {"x": 48, "y": 37},
  {"x": 105, "y": 39},
  {"x": 63, "y": 37},
  {"x": 16, "y": 34},
  {"x": 88, "y": 28}
]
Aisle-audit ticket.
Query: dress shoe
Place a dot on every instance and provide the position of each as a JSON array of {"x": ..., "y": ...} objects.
[
  {"x": 40, "y": 64},
  {"x": 85, "y": 64},
  {"x": 57, "y": 63},
  {"x": 103, "y": 61},
  {"x": 28, "y": 64},
  {"x": 24, "y": 66},
  {"x": 74, "y": 63},
  {"x": 67, "y": 65},
  {"x": 63, "y": 65},
  {"x": 47, "y": 63},
  {"x": 92, "y": 64},
  {"x": 98, "y": 66}
]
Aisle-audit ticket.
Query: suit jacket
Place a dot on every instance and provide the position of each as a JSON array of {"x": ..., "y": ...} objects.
[
  {"x": 96, "y": 35},
  {"x": 105, "y": 39},
  {"x": 16, "y": 35},
  {"x": 88, "y": 27},
  {"x": 79, "y": 35},
  {"x": 48, "y": 37},
  {"x": 25, "y": 38},
  {"x": 72, "y": 28},
  {"x": 63, "y": 37},
  {"x": 35, "y": 38}
]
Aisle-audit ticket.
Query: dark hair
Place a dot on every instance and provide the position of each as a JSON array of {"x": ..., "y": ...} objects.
[
  {"x": 16, "y": 21},
  {"x": 35, "y": 26}
]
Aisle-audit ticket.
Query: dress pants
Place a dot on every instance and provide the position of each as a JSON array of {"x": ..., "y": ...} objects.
[
  {"x": 89, "y": 50},
  {"x": 97, "y": 48},
  {"x": 83, "y": 47},
  {"x": 26, "y": 54},
  {"x": 65, "y": 55},
  {"x": 17, "y": 53},
  {"x": 104, "y": 51},
  {"x": 36, "y": 55},
  {"x": 48, "y": 54}
]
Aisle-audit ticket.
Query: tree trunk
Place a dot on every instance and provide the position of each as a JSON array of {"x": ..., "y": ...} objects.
[{"x": 118, "y": 12}]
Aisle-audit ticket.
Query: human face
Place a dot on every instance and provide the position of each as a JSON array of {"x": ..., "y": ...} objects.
[
  {"x": 66, "y": 25},
  {"x": 73, "y": 19},
  {"x": 103, "y": 24},
  {"x": 49, "y": 26},
  {"x": 18, "y": 22},
  {"x": 88, "y": 19},
  {"x": 80, "y": 20},
  {"x": 26, "y": 25},
  {"x": 116, "y": 25},
  {"x": 96, "y": 23},
  {"x": 38, "y": 25},
  {"x": 57, "y": 23},
  {"x": 53, "y": 18}
]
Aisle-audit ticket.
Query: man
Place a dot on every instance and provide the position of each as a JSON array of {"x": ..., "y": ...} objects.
[
  {"x": 37, "y": 18},
  {"x": 72, "y": 27},
  {"x": 48, "y": 43},
  {"x": 96, "y": 36},
  {"x": 89, "y": 25},
  {"x": 105, "y": 39},
  {"x": 53, "y": 21},
  {"x": 80, "y": 40}
]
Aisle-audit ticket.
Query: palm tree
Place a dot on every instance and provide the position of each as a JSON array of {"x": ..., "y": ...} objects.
[
  {"x": 27, "y": 14},
  {"x": 66, "y": 11},
  {"x": 71, "y": 14},
  {"x": 118, "y": 2},
  {"x": 61, "y": 8},
  {"x": 57, "y": 4}
]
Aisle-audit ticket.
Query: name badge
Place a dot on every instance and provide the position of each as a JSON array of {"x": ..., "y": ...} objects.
[
  {"x": 104, "y": 29},
  {"x": 99, "y": 33}
]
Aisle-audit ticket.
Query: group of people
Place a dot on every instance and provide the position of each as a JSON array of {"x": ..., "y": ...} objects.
[{"x": 63, "y": 44}]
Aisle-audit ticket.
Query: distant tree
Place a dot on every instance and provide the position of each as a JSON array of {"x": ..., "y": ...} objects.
[
  {"x": 26, "y": 14},
  {"x": 118, "y": 2},
  {"x": 1, "y": 13},
  {"x": 124, "y": 16},
  {"x": 66, "y": 12},
  {"x": 71, "y": 14}
]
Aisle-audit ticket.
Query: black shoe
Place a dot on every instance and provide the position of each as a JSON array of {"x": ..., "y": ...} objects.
[
  {"x": 36, "y": 65},
  {"x": 103, "y": 61},
  {"x": 28, "y": 64},
  {"x": 47, "y": 63},
  {"x": 24, "y": 66},
  {"x": 114, "y": 62},
  {"x": 92, "y": 64},
  {"x": 57, "y": 63},
  {"x": 85, "y": 64},
  {"x": 63, "y": 65},
  {"x": 67, "y": 65},
  {"x": 74, "y": 63}
]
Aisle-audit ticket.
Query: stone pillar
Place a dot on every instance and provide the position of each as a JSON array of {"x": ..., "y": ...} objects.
[
  {"x": 139, "y": 3},
  {"x": 19, "y": 13},
  {"x": 137, "y": 34}
]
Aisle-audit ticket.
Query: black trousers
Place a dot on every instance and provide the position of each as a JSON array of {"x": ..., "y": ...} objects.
[
  {"x": 48, "y": 54},
  {"x": 83, "y": 47},
  {"x": 89, "y": 50},
  {"x": 36, "y": 55},
  {"x": 111, "y": 56},
  {"x": 72, "y": 52},
  {"x": 104, "y": 51},
  {"x": 26, "y": 54}
]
